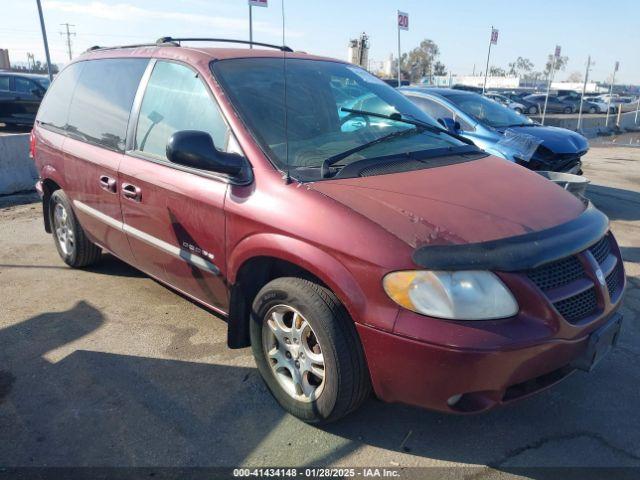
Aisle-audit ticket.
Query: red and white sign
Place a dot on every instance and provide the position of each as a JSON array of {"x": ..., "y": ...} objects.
[
  {"x": 403, "y": 20},
  {"x": 494, "y": 36},
  {"x": 258, "y": 3},
  {"x": 558, "y": 50}
]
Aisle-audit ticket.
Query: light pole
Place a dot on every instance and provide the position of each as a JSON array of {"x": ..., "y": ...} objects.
[
  {"x": 44, "y": 39},
  {"x": 584, "y": 89},
  {"x": 613, "y": 80}
]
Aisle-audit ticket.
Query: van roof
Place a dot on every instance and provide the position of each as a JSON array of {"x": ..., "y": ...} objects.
[{"x": 192, "y": 54}]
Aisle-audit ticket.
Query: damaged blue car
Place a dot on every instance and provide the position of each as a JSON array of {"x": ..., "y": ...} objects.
[{"x": 501, "y": 131}]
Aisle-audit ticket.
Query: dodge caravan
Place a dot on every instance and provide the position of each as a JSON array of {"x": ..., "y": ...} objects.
[{"x": 355, "y": 247}]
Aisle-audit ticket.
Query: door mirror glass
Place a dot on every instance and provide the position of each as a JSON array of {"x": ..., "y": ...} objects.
[
  {"x": 193, "y": 148},
  {"x": 450, "y": 124}
]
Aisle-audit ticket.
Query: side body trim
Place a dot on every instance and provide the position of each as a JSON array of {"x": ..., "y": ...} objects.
[{"x": 172, "y": 250}]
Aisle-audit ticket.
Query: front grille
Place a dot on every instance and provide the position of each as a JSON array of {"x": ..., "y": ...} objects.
[
  {"x": 566, "y": 271},
  {"x": 556, "y": 274},
  {"x": 577, "y": 307},
  {"x": 613, "y": 282},
  {"x": 601, "y": 249}
]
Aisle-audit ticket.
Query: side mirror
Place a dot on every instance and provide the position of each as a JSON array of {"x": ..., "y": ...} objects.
[
  {"x": 38, "y": 92},
  {"x": 450, "y": 124},
  {"x": 193, "y": 148}
]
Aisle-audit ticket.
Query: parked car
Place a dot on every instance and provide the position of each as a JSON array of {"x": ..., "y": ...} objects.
[
  {"x": 507, "y": 102},
  {"x": 20, "y": 97},
  {"x": 554, "y": 104},
  {"x": 587, "y": 106},
  {"x": 486, "y": 123},
  {"x": 398, "y": 256},
  {"x": 602, "y": 105},
  {"x": 530, "y": 108}
]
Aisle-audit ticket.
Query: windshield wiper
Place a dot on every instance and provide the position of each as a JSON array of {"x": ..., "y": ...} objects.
[
  {"x": 420, "y": 126},
  {"x": 342, "y": 155}
]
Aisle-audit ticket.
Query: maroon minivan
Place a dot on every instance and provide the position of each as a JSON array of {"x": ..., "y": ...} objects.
[{"x": 341, "y": 232}]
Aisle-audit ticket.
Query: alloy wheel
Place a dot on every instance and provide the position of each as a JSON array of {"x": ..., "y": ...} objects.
[
  {"x": 64, "y": 232},
  {"x": 294, "y": 353}
]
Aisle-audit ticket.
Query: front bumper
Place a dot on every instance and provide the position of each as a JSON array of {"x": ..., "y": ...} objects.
[{"x": 456, "y": 380}]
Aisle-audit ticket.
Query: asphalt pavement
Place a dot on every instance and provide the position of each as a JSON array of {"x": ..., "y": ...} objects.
[{"x": 106, "y": 367}]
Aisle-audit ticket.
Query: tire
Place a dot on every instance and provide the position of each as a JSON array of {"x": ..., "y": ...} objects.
[
  {"x": 593, "y": 110},
  {"x": 73, "y": 246},
  {"x": 533, "y": 110},
  {"x": 518, "y": 110},
  {"x": 567, "y": 110},
  {"x": 331, "y": 335}
]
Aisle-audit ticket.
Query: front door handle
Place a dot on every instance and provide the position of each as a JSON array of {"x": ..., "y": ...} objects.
[
  {"x": 131, "y": 192},
  {"x": 107, "y": 183}
]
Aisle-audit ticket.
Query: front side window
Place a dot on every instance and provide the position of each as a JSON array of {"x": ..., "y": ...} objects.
[
  {"x": 487, "y": 111},
  {"x": 324, "y": 112},
  {"x": 102, "y": 100},
  {"x": 4, "y": 84},
  {"x": 23, "y": 85},
  {"x": 176, "y": 99}
]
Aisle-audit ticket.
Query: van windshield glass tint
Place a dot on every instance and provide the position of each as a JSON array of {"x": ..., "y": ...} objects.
[{"x": 317, "y": 126}]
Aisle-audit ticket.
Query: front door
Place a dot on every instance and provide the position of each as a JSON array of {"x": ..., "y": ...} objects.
[{"x": 174, "y": 215}]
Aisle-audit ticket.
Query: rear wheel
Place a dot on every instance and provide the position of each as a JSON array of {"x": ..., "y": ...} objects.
[
  {"x": 533, "y": 110},
  {"x": 307, "y": 350},
  {"x": 593, "y": 110},
  {"x": 71, "y": 242},
  {"x": 518, "y": 110},
  {"x": 567, "y": 110}
]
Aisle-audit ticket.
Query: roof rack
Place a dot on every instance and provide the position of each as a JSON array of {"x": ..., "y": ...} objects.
[
  {"x": 163, "y": 40},
  {"x": 135, "y": 45}
]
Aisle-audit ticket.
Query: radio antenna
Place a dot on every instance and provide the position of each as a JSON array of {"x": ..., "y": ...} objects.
[{"x": 286, "y": 123}]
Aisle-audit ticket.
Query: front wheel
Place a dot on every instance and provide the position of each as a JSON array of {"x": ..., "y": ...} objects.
[
  {"x": 567, "y": 110},
  {"x": 307, "y": 350},
  {"x": 593, "y": 110},
  {"x": 533, "y": 110},
  {"x": 518, "y": 110}
]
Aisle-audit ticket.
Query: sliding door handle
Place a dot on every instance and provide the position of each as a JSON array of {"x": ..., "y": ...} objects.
[{"x": 107, "y": 183}]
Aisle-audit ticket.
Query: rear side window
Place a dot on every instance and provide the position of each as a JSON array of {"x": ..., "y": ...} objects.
[
  {"x": 176, "y": 99},
  {"x": 22, "y": 85},
  {"x": 102, "y": 100},
  {"x": 54, "y": 109},
  {"x": 4, "y": 84}
]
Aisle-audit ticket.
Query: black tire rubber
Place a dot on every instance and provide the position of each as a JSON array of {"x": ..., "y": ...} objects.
[
  {"x": 567, "y": 110},
  {"x": 593, "y": 110},
  {"x": 533, "y": 110},
  {"x": 347, "y": 377},
  {"x": 518, "y": 110},
  {"x": 85, "y": 252}
]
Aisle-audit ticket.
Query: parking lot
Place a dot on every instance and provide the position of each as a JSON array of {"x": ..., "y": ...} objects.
[{"x": 106, "y": 367}]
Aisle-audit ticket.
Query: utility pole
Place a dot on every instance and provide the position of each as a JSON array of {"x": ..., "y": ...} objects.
[
  {"x": 44, "y": 40},
  {"x": 613, "y": 80},
  {"x": 68, "y": 33},
  {"x": 584, "y": 90}
]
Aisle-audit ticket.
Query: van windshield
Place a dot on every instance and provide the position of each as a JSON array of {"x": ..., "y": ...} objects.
[{"x": 318, "y": 125}]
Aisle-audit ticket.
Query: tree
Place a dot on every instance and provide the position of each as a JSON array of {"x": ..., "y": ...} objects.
[
  {"x": 521, "y": 67},
  {"x": 560, "y": 64},
  {"x": 574, "y": 77},
  {"x": 497, "y": 72},
  {"x": 419, "y": 62},
  {"x": 439, "y": 69}
]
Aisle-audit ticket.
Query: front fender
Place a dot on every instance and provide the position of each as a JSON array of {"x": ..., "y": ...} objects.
[{"x": 324, "y": 266}]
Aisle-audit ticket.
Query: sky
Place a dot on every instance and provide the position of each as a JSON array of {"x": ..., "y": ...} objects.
[{"x": 608, "y": 31}]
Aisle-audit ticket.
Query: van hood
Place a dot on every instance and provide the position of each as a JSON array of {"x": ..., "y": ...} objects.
[
  {"x": 475, "y": 201},
  {"x": 558, "y": 140}
]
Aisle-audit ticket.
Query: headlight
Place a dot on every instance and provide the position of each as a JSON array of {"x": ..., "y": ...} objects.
[{"x": 464, "y": 295}]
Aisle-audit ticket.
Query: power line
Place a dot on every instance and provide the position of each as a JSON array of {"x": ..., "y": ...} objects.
[{"x": 68, "y": 33}]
